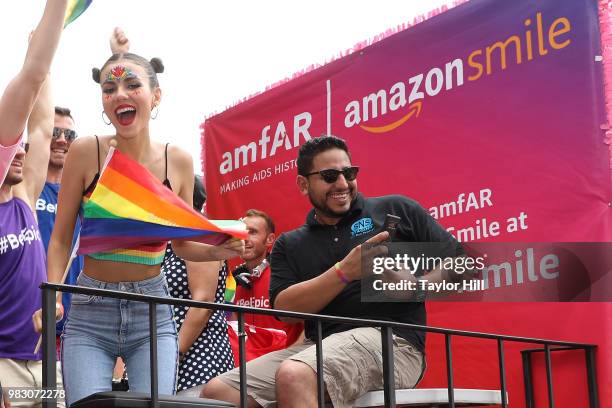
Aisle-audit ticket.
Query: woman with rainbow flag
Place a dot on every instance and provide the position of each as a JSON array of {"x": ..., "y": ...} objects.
[{"x": 98, "y": 330}]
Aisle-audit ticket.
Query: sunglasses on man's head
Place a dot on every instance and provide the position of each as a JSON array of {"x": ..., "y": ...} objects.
[
  {"x": 69, "y": 134},
  {"x": 331, "y": 175}
]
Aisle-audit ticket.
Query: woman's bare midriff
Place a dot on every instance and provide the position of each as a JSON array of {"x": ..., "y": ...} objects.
[{"x": 111, "y": 271}]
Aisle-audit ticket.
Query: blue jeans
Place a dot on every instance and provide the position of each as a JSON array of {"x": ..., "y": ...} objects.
[{"x": 99, "y": 330}]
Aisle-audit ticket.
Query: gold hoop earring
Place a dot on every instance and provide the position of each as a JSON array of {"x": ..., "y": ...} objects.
[
  {"x": 104, "y": 117},
  {"x": 155, "y": 112}
]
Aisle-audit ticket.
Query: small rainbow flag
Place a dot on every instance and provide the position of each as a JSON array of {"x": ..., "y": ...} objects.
[
  {"x": 131, "y": 208},
  {"x": 74, "y": 9},
  {"x": 230, "y": 288}
]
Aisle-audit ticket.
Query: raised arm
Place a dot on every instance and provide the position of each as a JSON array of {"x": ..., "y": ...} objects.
[
  {"x": 40, "y": 130},
  {"x": 119, "y": 43},
  {"x": 19, "y": 96}
]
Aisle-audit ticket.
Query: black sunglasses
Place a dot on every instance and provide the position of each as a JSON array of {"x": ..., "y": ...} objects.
[
  {"x": 331, "y": 175},
  {"x": 69, "y": 134}
]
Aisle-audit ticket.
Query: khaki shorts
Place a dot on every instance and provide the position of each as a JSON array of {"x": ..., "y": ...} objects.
[
  {"x": 26, "y": 373},
  {"x": 352, "y": 366}
]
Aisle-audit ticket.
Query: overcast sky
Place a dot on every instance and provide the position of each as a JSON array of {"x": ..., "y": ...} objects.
[{"x": 214, "y": 52}]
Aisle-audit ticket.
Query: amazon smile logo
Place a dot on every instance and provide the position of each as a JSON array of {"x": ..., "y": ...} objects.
[
  {"x": 401, "y": 96},
  {"x": 413, "y": 110},
  {"x": 494, "y": 58}
]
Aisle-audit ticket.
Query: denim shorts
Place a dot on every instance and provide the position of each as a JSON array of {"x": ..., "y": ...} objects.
[{"x": 98, "y": 330}]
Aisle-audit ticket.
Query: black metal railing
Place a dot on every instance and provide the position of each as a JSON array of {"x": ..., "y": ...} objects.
[{"x": 49, "y": 360}]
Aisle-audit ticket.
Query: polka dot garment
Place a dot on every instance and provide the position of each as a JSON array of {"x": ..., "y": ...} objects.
[{"x": 211, "y": 354}]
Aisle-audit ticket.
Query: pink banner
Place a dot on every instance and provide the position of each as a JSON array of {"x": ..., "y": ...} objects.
[{"x": 492, "y": 116}]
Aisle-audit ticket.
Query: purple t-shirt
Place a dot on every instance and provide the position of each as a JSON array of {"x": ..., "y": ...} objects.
[{"x": 22, "y": 269}]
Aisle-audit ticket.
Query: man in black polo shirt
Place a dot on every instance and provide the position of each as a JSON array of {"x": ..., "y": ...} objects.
[{"x": 317, "y": 268}]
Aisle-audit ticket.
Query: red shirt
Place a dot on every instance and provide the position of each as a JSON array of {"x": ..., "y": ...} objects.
[{"x": 258, "y": 296}]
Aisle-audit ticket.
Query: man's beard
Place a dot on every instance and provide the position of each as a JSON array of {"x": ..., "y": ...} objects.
[
  {"x": 12, "y": 179},
  {"x": 323, "y": 209},
  {"x": 57, "y": 162},
  {"x": 57, "y": 165},
  {"x": 255, "y": 255}
]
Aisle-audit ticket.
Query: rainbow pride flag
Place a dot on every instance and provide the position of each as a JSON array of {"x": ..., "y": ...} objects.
[
  {"x": 130, "y": 207},
  {"x": 230, "y": 288},
  {"x": 74, "y": 9}
]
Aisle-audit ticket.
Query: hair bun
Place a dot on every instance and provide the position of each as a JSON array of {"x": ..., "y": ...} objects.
[
  {"x": 95, "y": 74},
  {"x": 157, "y": 64}
]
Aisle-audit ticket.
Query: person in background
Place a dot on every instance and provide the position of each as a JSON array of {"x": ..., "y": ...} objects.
[
  {"x": 22, "y": 254},
  {"x": 204, "y": 346},
  {"x": 64, "y": 134},
  {"x": 253, "y": 283},
  {"x": 19, "y": 96}
]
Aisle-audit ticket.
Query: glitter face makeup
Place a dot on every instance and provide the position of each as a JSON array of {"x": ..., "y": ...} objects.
[{"x": 120, "y": 72}]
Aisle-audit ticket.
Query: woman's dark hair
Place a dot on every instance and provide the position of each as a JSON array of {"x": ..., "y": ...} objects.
[
  {"x": 315, "y": 146},
  {"x": 199, "y": 193},
  {"x": 152, "y": 68}
]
